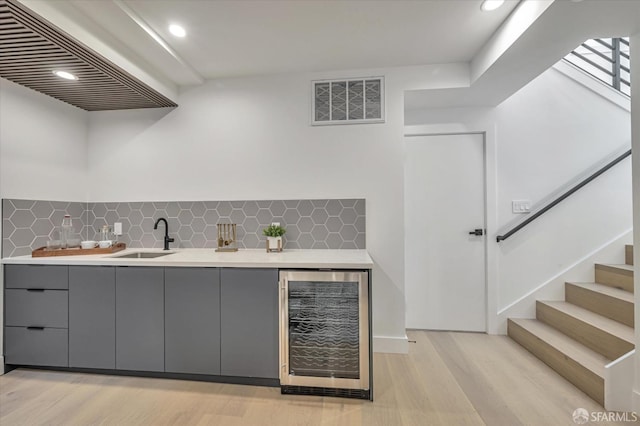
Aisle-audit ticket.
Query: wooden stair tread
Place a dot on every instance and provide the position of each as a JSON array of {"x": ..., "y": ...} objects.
[
  {"x": 608, "y": 325},
  {"x": 606, "y": 290},
  {"x": 581, "y": 335},
  {"x": 619, "y": 268},
  {"x": 584, "y": 356}
]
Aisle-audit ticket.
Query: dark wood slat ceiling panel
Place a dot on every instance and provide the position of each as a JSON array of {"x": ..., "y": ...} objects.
[
  {"x": 31, "y": 48},
  {"x": 37, "y": 75},
  {"x": 42, "y": 61},
  {"x": 23, "y": 44},
  {"x": 19, "y": 35}
]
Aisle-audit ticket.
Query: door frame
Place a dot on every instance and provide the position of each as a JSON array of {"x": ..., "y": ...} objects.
[{"x": 490, "y": 200}]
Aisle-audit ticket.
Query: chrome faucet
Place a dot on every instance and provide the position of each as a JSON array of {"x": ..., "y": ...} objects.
[{"x": 167, "y": 240}]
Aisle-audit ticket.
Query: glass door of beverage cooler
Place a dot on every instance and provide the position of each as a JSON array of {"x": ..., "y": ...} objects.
[{"x": 325, "y": 329}]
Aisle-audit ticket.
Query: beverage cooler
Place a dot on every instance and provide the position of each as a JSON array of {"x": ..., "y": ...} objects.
[{"x": 325, "y": 339}]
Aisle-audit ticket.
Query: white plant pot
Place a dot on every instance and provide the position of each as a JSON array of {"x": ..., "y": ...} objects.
[{"x": 274, "y": 243}]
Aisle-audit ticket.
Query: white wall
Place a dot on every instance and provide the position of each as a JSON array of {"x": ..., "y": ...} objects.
[
  {"x": 222, "y": 142},
  {"x": 635, "y": 119},
  {"x": 250, "y": 138},
  {"x": 43, "y": 149},
  {"x": 545, "y": 135}
]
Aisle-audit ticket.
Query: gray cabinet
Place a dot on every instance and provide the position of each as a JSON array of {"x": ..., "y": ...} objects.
[
  {"x": 210, "y": 321},
  {"x": 36, "y": 312},
  {"x": 249, "y": 322},
  {"x": 41, "y": 308},
  {"x": 140, "y": 318},
  {"x": 192, "y": 320},
  {"x": 92, "y": 317},
  {"x": 36, "y": 346},
  {"x": 36, "y": 276}
]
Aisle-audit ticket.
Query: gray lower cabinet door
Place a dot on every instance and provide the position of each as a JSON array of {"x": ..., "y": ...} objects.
[
  {"x": 192, "y": 320},
  {"x": 36, "y": 276},
  {"x": 45, "y": 308},
  {"x": 92, "y": 317},
  {"x": 140, "y": 318},
  {"x": 36, "y": 346},
  {"x": 249, "y": 322}
]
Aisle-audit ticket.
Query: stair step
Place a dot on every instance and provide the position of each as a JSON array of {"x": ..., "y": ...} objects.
[
  {"x": 618, "y": 276},
  {"x": 628, "y": 254},
  {"x": 573, "y": 361},
  {"x": 603, "y": 335},
  {"x": 607, "y": 301}
]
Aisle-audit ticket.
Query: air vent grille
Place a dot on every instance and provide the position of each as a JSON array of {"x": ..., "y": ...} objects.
[
  {"x": 348, "y": 101},
  {"x": 337, "y": 392},
  {"x": 31, "y": 48}
]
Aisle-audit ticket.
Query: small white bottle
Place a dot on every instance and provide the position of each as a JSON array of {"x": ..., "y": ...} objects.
[{"x": 66, "y": 230}]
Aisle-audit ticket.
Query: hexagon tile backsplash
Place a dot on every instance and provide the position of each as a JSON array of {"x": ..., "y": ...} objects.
[
  {"x": 310, "y": 224},
  {"x": 29, "y": 224}
]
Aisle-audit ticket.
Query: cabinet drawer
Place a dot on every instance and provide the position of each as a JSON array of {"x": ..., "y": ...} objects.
[
  {"x": 43, "y": 308},
  {"x": 46, "y": 347},
  {"x": 36, "y": 276}
]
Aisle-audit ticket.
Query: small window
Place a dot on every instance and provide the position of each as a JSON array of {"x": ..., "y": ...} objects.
[{"x": 358, "y": 100}]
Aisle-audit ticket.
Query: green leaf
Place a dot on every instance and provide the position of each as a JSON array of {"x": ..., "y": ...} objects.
[{"x": 274, "y": 231}]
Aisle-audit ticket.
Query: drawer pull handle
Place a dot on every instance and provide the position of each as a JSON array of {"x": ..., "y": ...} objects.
[
  {"x": 35, "y": 328},
  {"x": 35, "y": 289}
]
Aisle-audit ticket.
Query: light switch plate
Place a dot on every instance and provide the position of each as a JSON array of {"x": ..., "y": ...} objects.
[
  {"x": 521, "y": 206},
  {"x": 117, "y": 228}
]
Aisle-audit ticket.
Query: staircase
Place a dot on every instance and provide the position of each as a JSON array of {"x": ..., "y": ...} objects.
[{"x": 592, "y": 327}]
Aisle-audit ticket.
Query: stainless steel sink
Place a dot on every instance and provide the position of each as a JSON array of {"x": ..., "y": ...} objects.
[{"x": 143, "y": 255}]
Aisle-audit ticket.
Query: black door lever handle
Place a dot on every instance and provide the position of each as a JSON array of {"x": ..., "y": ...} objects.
[{"x": 477, "y": 232}]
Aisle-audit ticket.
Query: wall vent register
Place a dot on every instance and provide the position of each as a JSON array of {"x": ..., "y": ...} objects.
[{"x": 349, "y": 101}]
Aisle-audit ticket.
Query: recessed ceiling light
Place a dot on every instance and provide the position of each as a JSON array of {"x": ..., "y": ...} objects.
[
  {"x": 177, "y": 30},
  {"x": 489, "y": 5},
  {"x": 64, "y": 74}
]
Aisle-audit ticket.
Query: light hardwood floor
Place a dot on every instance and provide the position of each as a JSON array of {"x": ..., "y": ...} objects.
[{"x": 447, "y": 379}]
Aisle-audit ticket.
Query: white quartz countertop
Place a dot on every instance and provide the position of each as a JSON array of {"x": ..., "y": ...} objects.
[{"x": 334, "y": 259}]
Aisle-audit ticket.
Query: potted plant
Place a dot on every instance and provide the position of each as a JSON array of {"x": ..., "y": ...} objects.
[{"x": 274, "y": 233}]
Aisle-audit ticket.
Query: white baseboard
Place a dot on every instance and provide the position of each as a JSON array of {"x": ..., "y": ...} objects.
[{"x": 391, "y": 345}]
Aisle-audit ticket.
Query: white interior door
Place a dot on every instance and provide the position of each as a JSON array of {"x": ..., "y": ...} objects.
[{"x": 445, "y": 282}]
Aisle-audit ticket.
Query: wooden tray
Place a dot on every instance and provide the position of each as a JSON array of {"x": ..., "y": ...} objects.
[{"x": 43, "y": 252}]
